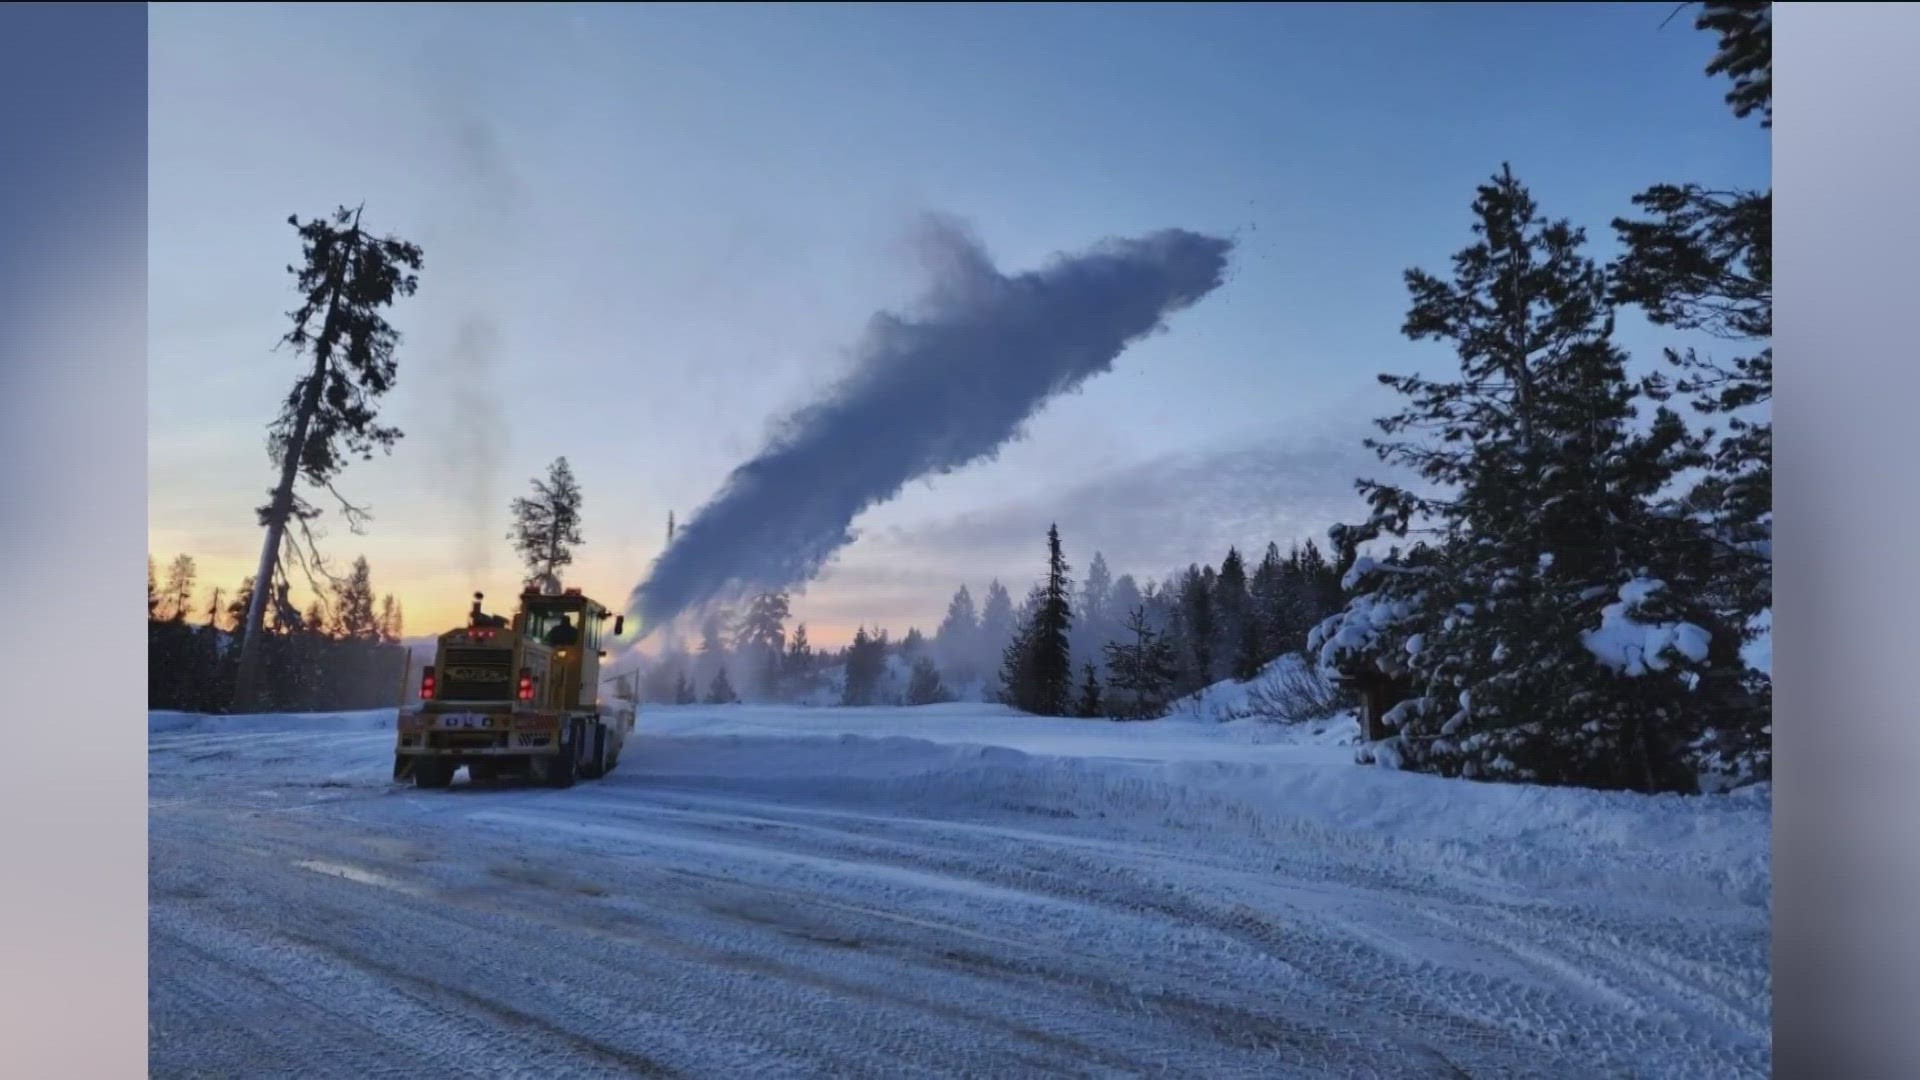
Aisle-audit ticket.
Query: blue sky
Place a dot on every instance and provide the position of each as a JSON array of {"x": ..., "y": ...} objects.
[{"x": 651, "y": 231}]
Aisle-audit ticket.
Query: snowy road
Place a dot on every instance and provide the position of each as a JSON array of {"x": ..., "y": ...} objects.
[{"x": 807, "y": 893}]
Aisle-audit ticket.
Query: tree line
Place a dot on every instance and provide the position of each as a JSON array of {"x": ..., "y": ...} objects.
[
  {"x": 342, "y": 652},
  {"x": 1129, "y": 649}
]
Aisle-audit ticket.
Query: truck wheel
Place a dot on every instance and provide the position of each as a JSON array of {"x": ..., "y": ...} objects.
[
  {"x": 562, "y": 767},
  {"x": 432, "y": 773},
  {"x": 482, "y": 770},
  {"x": 595, "y": 767}
]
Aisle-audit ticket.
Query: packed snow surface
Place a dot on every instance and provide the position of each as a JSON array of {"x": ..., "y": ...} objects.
[{"x": 950, "y": 890}]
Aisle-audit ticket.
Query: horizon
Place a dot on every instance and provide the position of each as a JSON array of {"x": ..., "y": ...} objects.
[{"x": 652, "y": 233}]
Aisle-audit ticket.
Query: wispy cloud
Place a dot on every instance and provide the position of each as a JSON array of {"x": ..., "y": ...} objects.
[{"x": 1146, "y": 518}]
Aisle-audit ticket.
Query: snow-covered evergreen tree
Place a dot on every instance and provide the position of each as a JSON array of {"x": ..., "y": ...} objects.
[
  {"x": 1700, "y": 259},
  {"x": 1550, "y": 554}
]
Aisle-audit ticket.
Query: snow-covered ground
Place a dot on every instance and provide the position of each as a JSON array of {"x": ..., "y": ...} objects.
[{"x": 951, "y": 890}]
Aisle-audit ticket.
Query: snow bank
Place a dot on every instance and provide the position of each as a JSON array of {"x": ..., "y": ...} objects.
[{"x": 1268, "y": 696}]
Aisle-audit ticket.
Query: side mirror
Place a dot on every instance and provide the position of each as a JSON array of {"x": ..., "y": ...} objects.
[{"x": 619, "y": 624}]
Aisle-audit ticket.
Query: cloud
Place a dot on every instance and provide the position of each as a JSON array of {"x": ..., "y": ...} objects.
[{"x": 1146, "y": 518}]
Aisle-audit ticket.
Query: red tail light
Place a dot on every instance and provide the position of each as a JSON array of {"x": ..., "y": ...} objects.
[
  {"x": 426, "y": 682},
  {"x": 526, "y": 685}
]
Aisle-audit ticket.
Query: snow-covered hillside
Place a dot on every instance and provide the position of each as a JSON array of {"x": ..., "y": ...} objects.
[{"x": 947, "y": 890}]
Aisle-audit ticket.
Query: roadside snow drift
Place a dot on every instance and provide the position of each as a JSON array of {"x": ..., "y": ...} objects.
[{"x": 952, "y": 890}]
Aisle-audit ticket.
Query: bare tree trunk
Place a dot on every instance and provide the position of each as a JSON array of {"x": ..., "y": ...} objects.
[{"x": 247, "y": 681}]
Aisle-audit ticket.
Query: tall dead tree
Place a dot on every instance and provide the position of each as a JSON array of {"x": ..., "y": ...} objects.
[{"x": 347, "y": 278}]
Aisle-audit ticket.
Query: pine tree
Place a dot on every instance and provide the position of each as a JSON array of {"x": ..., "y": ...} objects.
[
  {"x": 354, "y": 618},
  {"x": 242, "y": 600},
  {"x": 1266, "y": 601},
  {"x": 215, "y": 608},
  {"x": 346, "y": 278},
  {"x": 1089, "y": 705},
  {"x": 1745, "y": 55},
  {"x": 957, "y": 638},
  {"x": 760, "y": 638},
  {"x": 712, "y": 654},
  {"x": 1038, "y": 667},
  {"x": 153, "y": 591},
  {"x": 389, "y": 621},
  {"x": 1052, "y": 657},
  {"x": 720, "y": 691},
  {"x": 799, "y": 663},
  {"x": 683, "y": 690},
  {"x": 1702, "y": 261},
  {"x": 1016, "y": 656},
  {"x": 996, "y": 624},
  {"x": 546, "y": 528},
  {"x": 1096, "y": 592},
  {"x": 1238, "y": 641},
  {"x": 924, "y": 687},
  {"x": 1196, "y": 606},
  {"x": 181, "y": 576},
  {"x": 1540, "y": 493},
  {"x": 1146, "y": 666},
  {"x": 1120, "y": 604},
  {"x": 914, "y": 643},
  {"x": 1093, "y": 623},
  {"x": 315, "y": 620},
  {"x": 866, "y": 660}
]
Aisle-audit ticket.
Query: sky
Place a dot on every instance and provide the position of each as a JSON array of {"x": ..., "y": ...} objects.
[{"x": 651, "y": 232}]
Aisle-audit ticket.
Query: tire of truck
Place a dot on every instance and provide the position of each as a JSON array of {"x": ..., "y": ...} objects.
[
  {"x": 595, "y": 765},
  {"x": 431, "y": 772},
  {"x": 559, "y": 770},
  {"x": 482, "y": 770}
]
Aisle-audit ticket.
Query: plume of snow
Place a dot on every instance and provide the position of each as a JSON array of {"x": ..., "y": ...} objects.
[{"x": 928, "y": 393}]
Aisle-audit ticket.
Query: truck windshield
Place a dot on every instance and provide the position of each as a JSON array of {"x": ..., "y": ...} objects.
[{"x": 541, "y": 627}]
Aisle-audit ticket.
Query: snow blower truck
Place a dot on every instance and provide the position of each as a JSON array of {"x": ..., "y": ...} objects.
[{"x": 517, "y": 698}]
